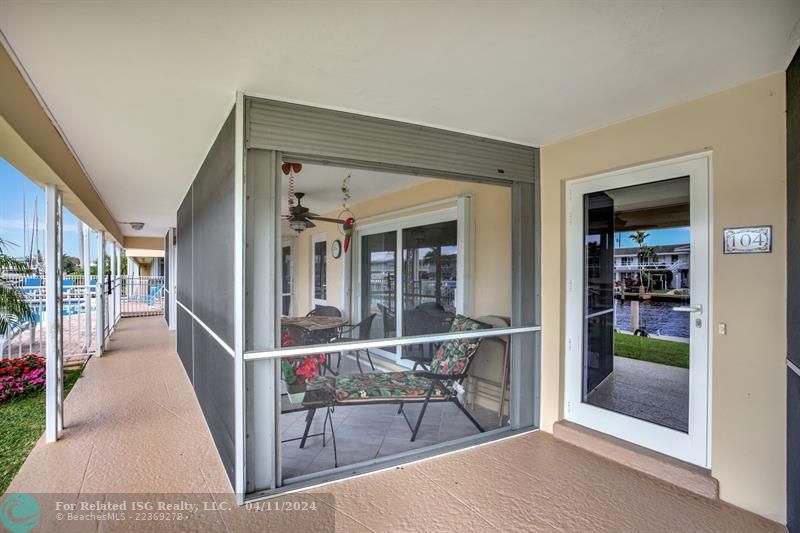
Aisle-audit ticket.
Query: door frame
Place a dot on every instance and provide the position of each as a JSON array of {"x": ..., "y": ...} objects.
[{"x": 694, "y": 446}]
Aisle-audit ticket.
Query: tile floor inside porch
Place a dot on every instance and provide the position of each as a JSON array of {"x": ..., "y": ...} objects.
[
  {"x": 365, "y": 432},
  {"x": 133, "y": 425}
]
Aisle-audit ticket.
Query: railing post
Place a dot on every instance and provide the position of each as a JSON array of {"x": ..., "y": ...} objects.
[
  {"x": 100, "y": 306},
  {"x": 54, "y": 350},
  {"x": 87, "y": 287},
  {"x": 112, "y": 319}
]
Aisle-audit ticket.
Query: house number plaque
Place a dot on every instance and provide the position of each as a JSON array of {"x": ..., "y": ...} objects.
[{"x": 747, "y": 240}]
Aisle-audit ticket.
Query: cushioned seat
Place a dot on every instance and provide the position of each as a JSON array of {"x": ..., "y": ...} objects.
[
  {"x": 319, "y": 391},
  {"x": 448, "y": 367},
  {"x": 373, "y": 386},
  {"x": 451, "y": 358}
]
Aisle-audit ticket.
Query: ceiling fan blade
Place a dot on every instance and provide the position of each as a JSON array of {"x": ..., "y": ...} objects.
[
  {"x": 310, "y": 224},
  {"x": 326, "y": 219}
]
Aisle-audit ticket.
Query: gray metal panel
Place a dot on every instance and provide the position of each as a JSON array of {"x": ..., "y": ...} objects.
[
  {"x": 348, "y": 137},
  {"x": 168, "y": 293},
  {"x": 213, "y": 238},
  {"x": 793, "y": 293},
  {"x": 184, "y": 252},
  {"x": 185, "y": 340},
  {"x": 525, "y": 306},
  {"x": 214, "y": 387}
]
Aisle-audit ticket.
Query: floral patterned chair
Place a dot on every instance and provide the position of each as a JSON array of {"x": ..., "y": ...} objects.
[{"x": 448, "y": 368}]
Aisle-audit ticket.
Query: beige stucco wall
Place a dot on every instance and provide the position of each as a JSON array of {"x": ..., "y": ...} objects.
[
  {"x": 491, "y": 207},
  {"x": 744, "y": 127}
]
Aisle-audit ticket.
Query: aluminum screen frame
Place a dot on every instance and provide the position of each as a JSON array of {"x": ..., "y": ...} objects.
[
  {"x": 206, "y": 291},
  {"x": 302, "y": 133}
]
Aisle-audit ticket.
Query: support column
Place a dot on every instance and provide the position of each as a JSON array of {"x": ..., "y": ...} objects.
[
  {"x": 100, "y": 312},
  {"x": 118, "y": 301},
  {"x": 60, "y": 310},
  {"x": 86, "y": 260},
  {"x": 112, "y": 301},
  {"x": 54, "y": 352}
]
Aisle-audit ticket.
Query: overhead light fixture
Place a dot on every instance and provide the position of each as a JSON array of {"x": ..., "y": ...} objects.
[
  {"x": 136, "y": 226},
  {"x": 298, "y": 225}
]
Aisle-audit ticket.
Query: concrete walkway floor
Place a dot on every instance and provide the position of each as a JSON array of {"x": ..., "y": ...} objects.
[{"x": 134, "y": 426}]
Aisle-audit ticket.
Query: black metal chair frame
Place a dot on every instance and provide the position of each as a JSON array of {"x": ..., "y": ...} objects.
[
  {"x": 362, "y": 336},
  {"x": 437, "y": 380},
  {"x": 325, "y": 310}
]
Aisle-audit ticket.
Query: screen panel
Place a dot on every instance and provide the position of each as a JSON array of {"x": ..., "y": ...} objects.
[
  {"x": 184, "y": 255},
  {"x": 185, "y": 341},
  {"x": 213, "y": 237},
  {"x": 214, "y": 387}
]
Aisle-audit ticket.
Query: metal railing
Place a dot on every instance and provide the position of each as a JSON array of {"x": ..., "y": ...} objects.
[
  {"x": 142, "y": 296},
  {"x": 30, "y": 336},
  {"x": 123, "y": 296}
]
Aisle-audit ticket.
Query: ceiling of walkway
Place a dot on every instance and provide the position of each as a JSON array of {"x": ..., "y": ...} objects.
[{"x": 140, "y": 89}]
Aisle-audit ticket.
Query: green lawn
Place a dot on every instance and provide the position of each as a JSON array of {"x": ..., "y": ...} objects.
[
  {"x": 654, "y": 350},
  {"x": 21, "y": 425}
]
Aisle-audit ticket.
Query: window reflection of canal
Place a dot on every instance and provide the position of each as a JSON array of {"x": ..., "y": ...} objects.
[{"x": 657, "y": 318}]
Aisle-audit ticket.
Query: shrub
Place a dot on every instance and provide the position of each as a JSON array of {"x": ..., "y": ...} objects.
[{"x": 21, "y": 376}]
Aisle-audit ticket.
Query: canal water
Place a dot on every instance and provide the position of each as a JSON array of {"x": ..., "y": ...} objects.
[{"x": 657, "y": 318}]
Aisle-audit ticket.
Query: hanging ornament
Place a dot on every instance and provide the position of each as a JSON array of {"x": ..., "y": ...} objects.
[
  {"x": 347, "y": 229},
  {"x": 349, "y": 220}
]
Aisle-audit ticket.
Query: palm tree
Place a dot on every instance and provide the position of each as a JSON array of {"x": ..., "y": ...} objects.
[
  {"x": 645, "y": 252},
  {"x": 13, "y": 307}
]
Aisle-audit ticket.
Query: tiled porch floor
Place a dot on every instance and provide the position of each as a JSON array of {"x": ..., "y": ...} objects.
[
  {"x": 365, "y": 432},
  {"x": 133, "y": 425}
]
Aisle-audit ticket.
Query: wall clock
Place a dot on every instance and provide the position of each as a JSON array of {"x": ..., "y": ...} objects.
[{"x": 336, "y": 249}]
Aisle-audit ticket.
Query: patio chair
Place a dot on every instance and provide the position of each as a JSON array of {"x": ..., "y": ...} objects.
[
  {"x": 389, "y": 325},
  {"x": 363, "y": 329},
  {"x": 325, "y": 310},
  {"x": 418, "y": 322},
  {"x": 449, "y": 366}
]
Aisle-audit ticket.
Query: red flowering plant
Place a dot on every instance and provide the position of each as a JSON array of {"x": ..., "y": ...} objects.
[
  {"x": 299, "y": 370},
  {"x": 21, "y": 376}
]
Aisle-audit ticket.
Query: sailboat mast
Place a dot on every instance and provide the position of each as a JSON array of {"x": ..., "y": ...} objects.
[{"x": 24, "y": 228}]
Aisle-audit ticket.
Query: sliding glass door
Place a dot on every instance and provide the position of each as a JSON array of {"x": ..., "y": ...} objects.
[
  {"x": 427, "y": 275},
  {"x": 429, "y": 280},
  {"x": 379, "y": 283}
]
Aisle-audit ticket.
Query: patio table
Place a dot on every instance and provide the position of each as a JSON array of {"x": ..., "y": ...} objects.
[
  {"x": 321, "y": 396},
  {"x": 314, "y": 323}
]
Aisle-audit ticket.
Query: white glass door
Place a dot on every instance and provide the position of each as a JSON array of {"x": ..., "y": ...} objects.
[
  {"x": 637, "y": 306},
  {"x": 408, "y": 275}
]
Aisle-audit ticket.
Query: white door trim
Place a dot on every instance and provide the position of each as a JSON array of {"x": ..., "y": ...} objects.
[{"x": 694, "y": 446}]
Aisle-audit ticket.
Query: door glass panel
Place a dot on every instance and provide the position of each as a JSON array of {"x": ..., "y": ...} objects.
[
  {"x": 430, "y": 256},
  {"x": 286, "y": 281},
  {"x": 379, "y": 283},
  {"x": 320, "y": 270},
  {"x": 636, "y": 273}
]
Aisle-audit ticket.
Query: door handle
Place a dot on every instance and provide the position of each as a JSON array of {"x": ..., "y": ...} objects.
[{"x": 689, "y": 308}]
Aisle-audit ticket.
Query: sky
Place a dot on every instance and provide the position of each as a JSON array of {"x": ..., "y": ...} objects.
[
  {"x": 658, "y": 237},
  {"x": 14, "y": 186}
]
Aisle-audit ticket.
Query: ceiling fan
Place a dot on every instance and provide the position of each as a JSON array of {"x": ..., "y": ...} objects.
[{"x": 300, "y": 217}]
